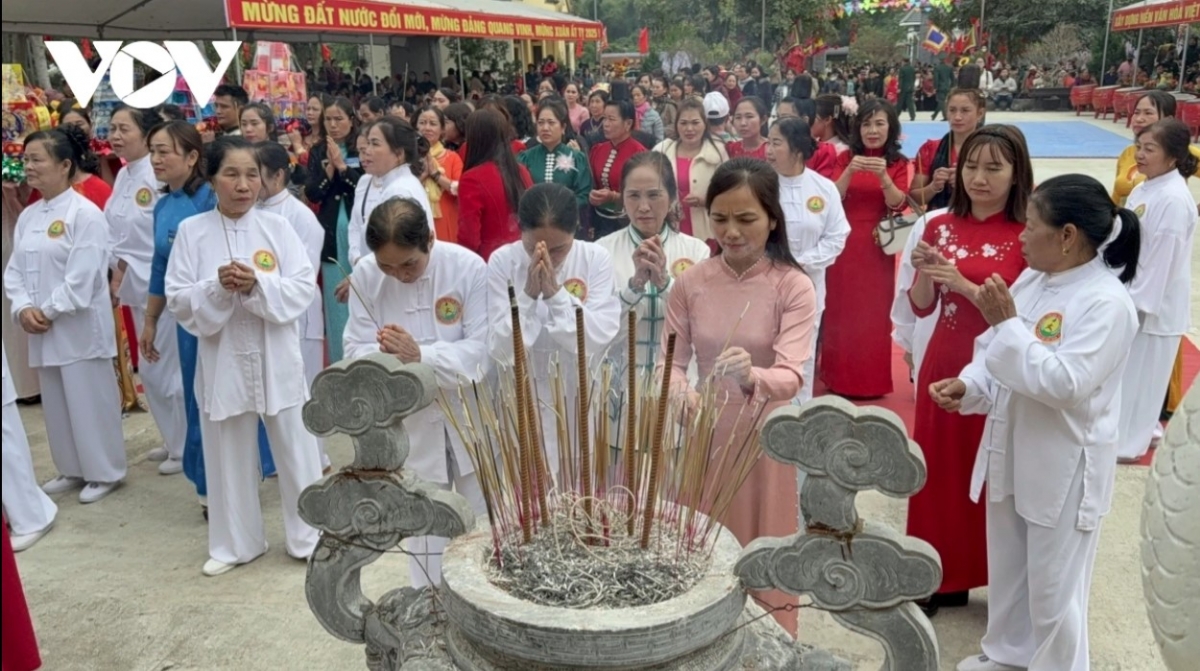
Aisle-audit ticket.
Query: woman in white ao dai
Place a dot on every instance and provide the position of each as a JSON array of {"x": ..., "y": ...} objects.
[{"x": 424, "y": 301}]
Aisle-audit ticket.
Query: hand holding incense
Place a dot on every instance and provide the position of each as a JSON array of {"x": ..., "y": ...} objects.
[{"x": 350, "y": 281}]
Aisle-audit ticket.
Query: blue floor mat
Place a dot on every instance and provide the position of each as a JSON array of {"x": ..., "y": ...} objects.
[{"x": 1047, "y": 139}]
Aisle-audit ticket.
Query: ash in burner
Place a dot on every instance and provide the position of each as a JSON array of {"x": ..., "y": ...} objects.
[{"x": 557, "y": 569}]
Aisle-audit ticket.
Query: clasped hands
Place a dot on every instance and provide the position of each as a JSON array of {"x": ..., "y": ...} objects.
[
  {"x": 542, "y": 280},
  {"x": 237, "y": 277},
  {"x": 649, "y": 265},
  {"x": 396, "y": 341},
  {"x": 34, "y": 321}
]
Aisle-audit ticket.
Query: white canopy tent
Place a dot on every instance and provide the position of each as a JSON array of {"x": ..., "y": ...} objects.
[{"x": 207, "y": 20}]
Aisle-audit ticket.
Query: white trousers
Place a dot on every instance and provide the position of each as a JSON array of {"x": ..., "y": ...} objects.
[
  {"x": 236, "y": 534},
  {"x": 313, "y": 354},
  {"x": 82, "y": 406},
  {"x": 1038, "y": 584},
  {"x": 163, "y": 383},
  {"x": 809, "y": 369},
  {"x": 1143, "y": 389},
  {"x": 425, "y": 562},
  {"x": 26, "y": 506}
]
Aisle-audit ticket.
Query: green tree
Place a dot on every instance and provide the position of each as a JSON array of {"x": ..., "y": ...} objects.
[
  {"x": 878, "y": 44},
  {"x": 1015, "y": 25}
]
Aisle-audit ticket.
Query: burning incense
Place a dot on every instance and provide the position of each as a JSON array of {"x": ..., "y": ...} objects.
[
  {"x": 585, "y": 457},
  {"x": 656, "y": 446}
]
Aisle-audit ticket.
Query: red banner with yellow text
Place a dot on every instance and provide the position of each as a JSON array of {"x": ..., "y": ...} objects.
[
  {"x": 363, "y": 16},
  {"x": 1157, "y": 15}
]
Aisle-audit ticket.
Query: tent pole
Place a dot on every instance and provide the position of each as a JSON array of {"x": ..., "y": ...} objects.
[
  {"x": 1107, "y": 32},
  {"x": 371, "y": 62},
  {"x": 1187, "y": 35},
  {"x": 1137, "y": 56},
  {"x": 237, "y": 60},
  {"x": 462, "y": 85}
]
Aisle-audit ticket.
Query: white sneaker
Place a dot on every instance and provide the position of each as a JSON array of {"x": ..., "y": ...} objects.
[
  {"x": 213, "y": 568},
  {"x": 158, "y": 454},
  {"x": 22, "y": 542},
  {"x": 96, "y": 491},
  {"x": 62, "y": 484},
  {"x": 170, "y": 467},
  {"x": 984, "y": 663}
]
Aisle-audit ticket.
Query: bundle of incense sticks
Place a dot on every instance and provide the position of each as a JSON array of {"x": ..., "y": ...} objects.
[
  {"x": 676, "y": 475},
  {"x": 657, "y": 444},
  {"x": 585, "y": 452},
  {"x": 524, "y": 428}
]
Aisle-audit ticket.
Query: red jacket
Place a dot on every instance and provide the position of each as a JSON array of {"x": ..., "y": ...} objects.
[{"x": 486, "y": 221}]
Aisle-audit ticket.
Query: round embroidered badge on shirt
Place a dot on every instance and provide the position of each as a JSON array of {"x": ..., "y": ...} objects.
[
  {"x": 577, "y": 288},
  {"x": 448, "y": 310},
  {"x": 1140, "y": 210},
  {"x": 143, "y": 197},
  {"x": 816, "y": 204},
  {"x": 1049, "y": 327},
  {"x": 264, "y": 261},
  {"x": 681, "y": 265},
  {"x": 56, "y": 229}
]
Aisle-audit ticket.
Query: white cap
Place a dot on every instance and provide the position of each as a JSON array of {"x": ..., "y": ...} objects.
[{"x": 716, "y": 106}]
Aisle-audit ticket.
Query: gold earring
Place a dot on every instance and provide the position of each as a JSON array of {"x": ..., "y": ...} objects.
[{"x": 1066, "y": 251}]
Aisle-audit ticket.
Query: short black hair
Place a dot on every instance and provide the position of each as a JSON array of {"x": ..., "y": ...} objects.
[{"x": 237, "y": 93}]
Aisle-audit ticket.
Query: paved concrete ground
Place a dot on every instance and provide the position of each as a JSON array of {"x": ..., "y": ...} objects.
[{"x": 116, "y": 586}]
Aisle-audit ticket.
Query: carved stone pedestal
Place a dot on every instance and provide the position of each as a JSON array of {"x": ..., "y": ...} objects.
[{"x": 491, "y": 629}]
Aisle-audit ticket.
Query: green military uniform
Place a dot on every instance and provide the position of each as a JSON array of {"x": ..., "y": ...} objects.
[
  {"x": 943, "y": 81},
  {"x": 908, "y": 84}
]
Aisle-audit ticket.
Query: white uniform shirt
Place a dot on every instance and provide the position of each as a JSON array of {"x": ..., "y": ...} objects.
[
  {"x": 817, "y": 227},
  {"x": 683, "y": 251},
  {"x": 1162, "y": 289},
  {"x": 130, "y": 215},
  {"x": 302, "y": 219},
  {"x": 59, "y": 263},
  {"x": 548, "y": 325},
  {"x": 910, "y": 332},
  {"x": 371, "y": 191},
  {"x": 1050, "y": 381},
  {"x": 249, "y": 355},
  {"x": 445, "y": 311}
]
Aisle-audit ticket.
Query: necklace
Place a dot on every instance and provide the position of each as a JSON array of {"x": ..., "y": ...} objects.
[{"x": 750, "y": 267}]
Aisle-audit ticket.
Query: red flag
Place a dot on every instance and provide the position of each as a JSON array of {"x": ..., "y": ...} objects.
[
  {"x": 326, "y": 54},
  {"x": 603, "y": 38},
  {"x": 87, "y": 50},
  {"x": 644, "y": 41}
]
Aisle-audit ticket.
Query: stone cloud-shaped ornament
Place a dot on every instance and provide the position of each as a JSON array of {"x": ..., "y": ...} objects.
[
  {"x": 865, "y": 574},
  {"x": 368, "y": 508}
]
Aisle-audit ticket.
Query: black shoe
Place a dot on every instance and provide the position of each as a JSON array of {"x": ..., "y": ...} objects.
[
  {"x": 36, "y": 399},
  {"x": 928, "y": 606},
  {"x": 952, "y": 599}
]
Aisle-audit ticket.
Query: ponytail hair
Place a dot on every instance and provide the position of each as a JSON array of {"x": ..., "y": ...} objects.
[
  {"x": 1083, "y": 202},
  {"x": 81, "y": 148},
  {"x": 1124, "y": 249}
]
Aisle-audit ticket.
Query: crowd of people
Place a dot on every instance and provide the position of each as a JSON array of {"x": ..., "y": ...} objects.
[{"x": 1042, "y": 326}]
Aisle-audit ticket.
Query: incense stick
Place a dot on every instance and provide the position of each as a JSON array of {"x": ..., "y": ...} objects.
[
  {"x": 656, "y": 445},
  {"x": 522, "y": 417},
  {"x": 350, "y": 282},
  {"x": 585, "y": 457},
  {"x": 631, "y": 419}
]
